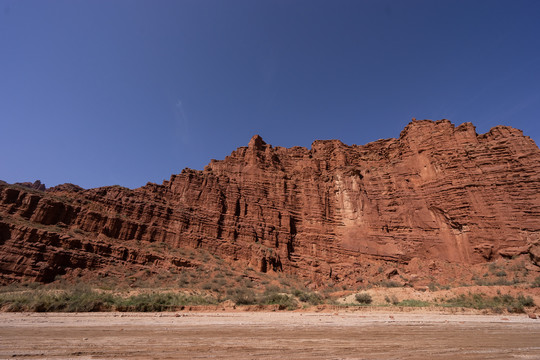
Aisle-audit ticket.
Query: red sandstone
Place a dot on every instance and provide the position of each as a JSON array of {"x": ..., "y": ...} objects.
[{"x": 438, "y": 193}]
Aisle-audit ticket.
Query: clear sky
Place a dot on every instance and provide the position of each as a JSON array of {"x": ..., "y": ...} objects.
[{"x": 124, "y": 92}]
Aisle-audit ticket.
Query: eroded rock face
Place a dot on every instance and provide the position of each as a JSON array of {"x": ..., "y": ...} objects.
[
  {"x": 437, "y": 192},
  {"x": 36, "y": 185}
]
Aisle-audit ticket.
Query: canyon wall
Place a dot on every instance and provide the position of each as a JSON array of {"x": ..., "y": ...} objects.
[{"x": 436, "y": 192}]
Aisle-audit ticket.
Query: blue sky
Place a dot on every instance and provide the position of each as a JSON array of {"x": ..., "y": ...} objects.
[{"x": 124, "y": 92}]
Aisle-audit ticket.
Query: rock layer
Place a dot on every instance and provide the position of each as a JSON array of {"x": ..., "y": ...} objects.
[{"x": 437, "y": 192}]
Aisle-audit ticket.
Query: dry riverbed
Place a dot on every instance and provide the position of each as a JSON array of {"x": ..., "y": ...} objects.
[{"x": 268, "y": 335}]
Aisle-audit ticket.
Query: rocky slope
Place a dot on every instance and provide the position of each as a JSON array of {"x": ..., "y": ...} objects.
[{"x": 438, "y": 194}]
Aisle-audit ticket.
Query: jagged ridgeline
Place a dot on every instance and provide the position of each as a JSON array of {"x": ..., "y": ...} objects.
[{"x": 437, "y": 196}]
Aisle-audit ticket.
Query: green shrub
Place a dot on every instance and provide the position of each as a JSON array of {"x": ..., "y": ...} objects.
[
  {"x": 83, "y": 299},
  {"x": 495, "y": 303},
  {"x": 363, "y": 298},
  {"x": 501, "y": 281},
  {"x": 78, "y": 299},
  {"x": 283, "y": 300},
  {"x": 526, "y": 301},
  {"x": 433, "y": 286},
  {"x": 310, "y": 298},
  {"x": 160, "y": 302},
  {"x": 149, "y": 302},
  {"x": 242, "y": 296},
  {"x": 414, "y": 303},
  {"x": 390, "y": 284}
]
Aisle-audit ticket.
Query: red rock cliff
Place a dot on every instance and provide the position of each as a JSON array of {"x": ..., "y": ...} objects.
[{"x": 437, "y": 192}]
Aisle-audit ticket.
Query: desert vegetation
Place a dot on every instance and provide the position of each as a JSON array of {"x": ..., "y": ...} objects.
[
  {"x": 497, "y": 303},
  {"x": 210, "y": 281},
  {"x": 363, "y": 298},
  {"x": 34, "y": 297}
]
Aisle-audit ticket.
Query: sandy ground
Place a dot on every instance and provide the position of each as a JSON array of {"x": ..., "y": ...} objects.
[{"x": 268, "y": 335}]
